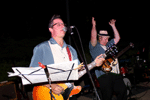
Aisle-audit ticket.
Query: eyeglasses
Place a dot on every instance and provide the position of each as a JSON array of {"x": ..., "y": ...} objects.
[{"x": 59, "y": 24}]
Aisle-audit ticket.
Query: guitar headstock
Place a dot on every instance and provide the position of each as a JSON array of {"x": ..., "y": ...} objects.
[
  {"x": 111, "y": 50},
  {"x": 131, "y": 45}
]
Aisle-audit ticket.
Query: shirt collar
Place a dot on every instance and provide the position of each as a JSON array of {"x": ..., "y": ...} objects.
[{"x": 52, "y": 40}]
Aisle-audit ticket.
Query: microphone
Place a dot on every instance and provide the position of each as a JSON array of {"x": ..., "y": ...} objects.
[
  {"x": 69, "y": 28},
  {"x": 72, "y": 27},
  {"x": 64, "y": 29}
]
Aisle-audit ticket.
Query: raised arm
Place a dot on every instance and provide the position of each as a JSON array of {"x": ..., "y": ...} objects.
[
  {"x": 93, "y": 33},
  {"x": 116, "y": 33}
]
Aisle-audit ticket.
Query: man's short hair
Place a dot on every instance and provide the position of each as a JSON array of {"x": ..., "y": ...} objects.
[{"x": 52, "y": 19}]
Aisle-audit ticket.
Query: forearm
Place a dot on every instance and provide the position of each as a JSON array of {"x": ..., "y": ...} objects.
[
  {"x": 97, "y": 62},
  {"x": 116, "y": 34},
  {"x": 93, "y": 36},
  {"x": 89, "y": 66}
]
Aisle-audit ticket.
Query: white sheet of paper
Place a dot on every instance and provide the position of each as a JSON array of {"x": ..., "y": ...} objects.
[{"x": 58, "y": 72}]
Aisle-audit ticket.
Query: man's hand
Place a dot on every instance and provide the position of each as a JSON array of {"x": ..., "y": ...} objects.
[
  {"x": 112, "y": 22},
  {"x": 93, "y": 22},
  {"x": 116, "y": 33},
  {"x": 80, "y": 66},
  {"x": 99, "y": 60},
  {"x": 57, "y": 89},
  {"x": 93, "y": 33}
]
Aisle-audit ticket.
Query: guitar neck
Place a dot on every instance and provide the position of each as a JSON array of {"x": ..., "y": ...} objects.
[
  {"x": 123, "y": 51},
  {"x": 81, "y": 73},
  {"x": 90, "y": 66}
]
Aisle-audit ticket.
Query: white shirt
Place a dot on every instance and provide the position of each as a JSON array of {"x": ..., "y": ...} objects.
[{"x": 59, "y": 54}]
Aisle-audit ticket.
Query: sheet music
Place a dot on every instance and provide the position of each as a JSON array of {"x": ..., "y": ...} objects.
[{"x": 58, "y": 72}]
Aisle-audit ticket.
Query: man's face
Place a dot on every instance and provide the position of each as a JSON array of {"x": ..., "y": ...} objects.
[
  {"x": 57, "y": 30},
  {"x": 103, "y": 40}
]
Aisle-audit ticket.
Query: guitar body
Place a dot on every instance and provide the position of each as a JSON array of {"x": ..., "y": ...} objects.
[
  {"x": 108, "y": 63},
  {"x": 43, "y": 93}
]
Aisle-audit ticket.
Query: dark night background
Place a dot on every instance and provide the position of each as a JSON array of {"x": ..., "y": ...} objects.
[{"x": 24, "y": 24}]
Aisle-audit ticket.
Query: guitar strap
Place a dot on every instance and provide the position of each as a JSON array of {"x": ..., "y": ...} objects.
[
  {"x": 104, "y": 47},
  {"x": 69, "y": 89},
  {"x": 69, "y": 53},
  {"x": 70, "y": 58}
]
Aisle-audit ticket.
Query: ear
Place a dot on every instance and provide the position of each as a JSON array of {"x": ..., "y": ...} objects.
[
  {"x": 51, "y": 30},
  {"x": 100, "y": 37}
]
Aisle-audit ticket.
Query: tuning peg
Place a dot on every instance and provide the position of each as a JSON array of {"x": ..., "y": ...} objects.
[
  {"x": 116, "y": 50},
  {"x": 108, "y": 47},
  {"x": 110, "y": 53},
  {"x": 113, "y": 52}
]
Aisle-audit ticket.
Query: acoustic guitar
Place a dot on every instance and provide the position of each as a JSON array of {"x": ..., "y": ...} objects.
[{"x": 43, "y": 92}]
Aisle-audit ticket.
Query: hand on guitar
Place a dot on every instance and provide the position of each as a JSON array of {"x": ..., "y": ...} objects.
[
  {"x": 80, "y": 67},
  {"x": 99, "y": 60},
  {"x": 56, "y": 89}
]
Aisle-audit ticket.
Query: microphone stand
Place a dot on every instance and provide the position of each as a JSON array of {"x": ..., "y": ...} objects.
[{"x": 84, "y": 60}]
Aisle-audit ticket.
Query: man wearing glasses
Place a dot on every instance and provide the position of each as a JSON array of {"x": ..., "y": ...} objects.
[{"x": 55, "y": 51}]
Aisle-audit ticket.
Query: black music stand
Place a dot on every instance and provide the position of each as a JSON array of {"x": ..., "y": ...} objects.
[{"x": 65, "y": 94}]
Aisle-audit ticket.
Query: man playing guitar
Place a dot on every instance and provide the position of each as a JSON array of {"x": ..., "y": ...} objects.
[
  {"x": 55, "y": 51},
  {"x": 111, "y": 81}
]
